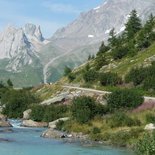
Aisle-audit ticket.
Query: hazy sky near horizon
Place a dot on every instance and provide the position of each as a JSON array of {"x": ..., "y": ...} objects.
[{"x": 49, "y": 14}]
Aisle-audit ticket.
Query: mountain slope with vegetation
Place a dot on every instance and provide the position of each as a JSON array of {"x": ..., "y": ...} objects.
[{"x": 126, "y": 57}]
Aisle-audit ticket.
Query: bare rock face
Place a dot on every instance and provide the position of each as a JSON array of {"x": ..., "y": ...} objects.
[
  {"x": 26, "y": 114},
  {"x": 20, "y": 46},
  {"x": 31, "y": 123}
]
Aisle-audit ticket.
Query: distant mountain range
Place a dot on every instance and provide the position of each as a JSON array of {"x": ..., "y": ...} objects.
[{"x": 29, "y": 59}]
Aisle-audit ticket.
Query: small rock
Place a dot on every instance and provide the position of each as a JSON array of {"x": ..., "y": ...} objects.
[
  {"x": 50, "y": 133},
  {"x": 26, "y": 114},
  {"x": 149, "y": 127}
]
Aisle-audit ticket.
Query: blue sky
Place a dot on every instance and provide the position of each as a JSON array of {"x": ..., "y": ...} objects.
[{"x": 49, "y": 14}]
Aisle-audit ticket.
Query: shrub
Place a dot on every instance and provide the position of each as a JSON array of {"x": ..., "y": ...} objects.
[
  {"x": 37, "y": 113},
  {"x": 48, "y": 113},
  {"x": 146, "y": 145},
  {"x": 96, "y": 130},
  {"x": 60, "y": 125},
  {"x": 67, "y": 71},
  {"x": 16, "y": 102},
  {"x": 150, "y": 118},
  {"x": 121, "y": 119},
  {"x": 100, "y": 62},
  {"x": 90, "y": 75},
  {"x": 136, "y": 75},
  {"x": 149, "y": 83},
  {"x": 125, "y": 98},
  {"x": 111, "y": 79},
  {"x": 120, "y": 52},
  {"x": 71, "y": 77},
  {"x": 84, "y": 109}
]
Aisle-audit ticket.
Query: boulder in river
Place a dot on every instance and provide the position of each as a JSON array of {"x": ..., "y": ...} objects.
[
  {"x": 5, "y": 124},
  {"x": 50, "y": 133},
  {"x": 26, "y": 114},
  {"x": 31, "y": 123}
]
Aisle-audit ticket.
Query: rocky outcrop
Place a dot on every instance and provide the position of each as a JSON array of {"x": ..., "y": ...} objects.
[
  {"x": 52, "y": 125},
  {"x": 31, "y": 123},
  {"x": 26, "y": 114},
  {"x": 54, "y": 100}
]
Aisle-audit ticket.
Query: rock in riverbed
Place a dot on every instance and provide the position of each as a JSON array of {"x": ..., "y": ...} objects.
[
  {"x": 26, "y": 114},
  {"x": 50, "y": 133},
  {"x": 31, "y": 123},
  {"x": 4, "y": 122}
]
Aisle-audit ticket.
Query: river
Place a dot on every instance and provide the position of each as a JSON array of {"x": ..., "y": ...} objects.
[{"x": 27, "y": 141}]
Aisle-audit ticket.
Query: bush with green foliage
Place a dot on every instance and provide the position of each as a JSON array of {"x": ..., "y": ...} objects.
[
  {"x": 48, "y": 113},
  {"x": 109, "y": 78},
  {"x": 136, "y": 75},
  {"x": 96, "y": 130},
  {"x": 120, "y": 52},
  {"x": 125, "y": 98},
  {"x": 60, "y": 125},
  {"x": 103, "y": 49},
  {"x": 146, "y": 145},
  {"x": 90, "y": 75},
  {"x": 67, "y": 71},
  {"x": 71, "y": 77},
  {"x": 142, "y": 76},
  {"x": 100, "y": 61},
  {"x": 16, "y": 102},
  {"x": 150, "y": 118},
  {"x": 121, "y": 119},
  {"x": 84, "y": 109}
]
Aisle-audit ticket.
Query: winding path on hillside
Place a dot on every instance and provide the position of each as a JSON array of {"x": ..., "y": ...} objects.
[
  {"x": 147, "y": 98},
  {"x": 45, "y": 69}
]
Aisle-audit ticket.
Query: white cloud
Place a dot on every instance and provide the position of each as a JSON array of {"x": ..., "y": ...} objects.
[{"x": 60, "y": 7}]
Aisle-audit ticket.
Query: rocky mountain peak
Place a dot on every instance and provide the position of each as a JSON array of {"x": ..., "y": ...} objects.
[{"x": 32, "y": 30}]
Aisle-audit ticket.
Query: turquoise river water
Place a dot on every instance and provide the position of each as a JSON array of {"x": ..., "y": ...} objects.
[{"x": 27, "y": 141}]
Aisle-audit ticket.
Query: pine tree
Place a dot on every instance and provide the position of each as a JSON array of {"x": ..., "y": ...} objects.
[
  {"x": 103, "y": 48},
  {"x": 133, "y": 25},
  {"x": 112, "y": 38},
  {"x": 9, "y": 82}
]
